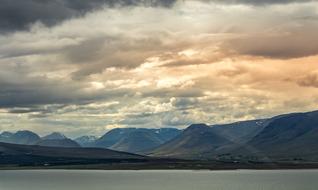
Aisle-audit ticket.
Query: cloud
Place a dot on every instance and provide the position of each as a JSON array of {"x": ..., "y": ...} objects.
[
  {"x": 32, "y": 91},
  {"x": 258, "y": 2},
  {"x": 19, "y": 15},
  {"x": 309, "y": 80},
  {"x": 294, "y": 44},
  {"x": 156, "y": 65}
]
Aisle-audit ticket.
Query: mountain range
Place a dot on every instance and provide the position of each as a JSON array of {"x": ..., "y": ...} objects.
[
  {"x": 284, "y": 137},
  {"x": 128, "y": 139},
  {"x": 30, "y": 138},
  {"x": 200, "y": 141},
  {"x": 20, "y": 137},
  {"x": 288, "y": 137},
  {"x": 292, "y": 136}
]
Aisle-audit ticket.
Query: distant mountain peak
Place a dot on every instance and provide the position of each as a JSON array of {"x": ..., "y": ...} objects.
[
  {"x": 55, "y": 136},
  {"x": 88, "y": 137},
  {"x": 24, "y": 132},
  {"x": 24, "y": 137},
  {"x": 199, "y": 126},
  {"x": 6, "y": 134},
  {"x": 86, "y": 140}
]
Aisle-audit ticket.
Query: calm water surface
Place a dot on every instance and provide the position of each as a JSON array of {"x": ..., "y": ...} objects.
[{"x": 159, "y": 180}]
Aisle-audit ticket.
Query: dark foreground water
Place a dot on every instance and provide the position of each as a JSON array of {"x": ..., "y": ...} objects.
[{"x": 159, "y": 180}]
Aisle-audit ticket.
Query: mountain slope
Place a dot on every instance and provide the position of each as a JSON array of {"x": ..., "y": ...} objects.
[
  {"x": 86, "y": 141},
  {"x": 241, "y": 131},
  {"x": 58, "y": 143},
  {"x": 284, "y": 137},
  {"x": 193, "y": 142},
  {"x": 5, "y": 136},
  {"x": 30, "y": 138},
  {"x": 200, "y": 141},
  {"x": 54, "y": 136},
  {"x": 290, "y": 136},
  {"x": 136, "y": 140},
  {"x": 24, "y": 137},
  {"x": 112, "y": 137}
]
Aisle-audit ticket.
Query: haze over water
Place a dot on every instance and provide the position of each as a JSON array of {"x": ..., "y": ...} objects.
[{"x": 158, "y": 180}]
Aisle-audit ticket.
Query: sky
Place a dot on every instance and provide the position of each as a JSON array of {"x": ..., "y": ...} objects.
[{"x": 85, "y": 67}]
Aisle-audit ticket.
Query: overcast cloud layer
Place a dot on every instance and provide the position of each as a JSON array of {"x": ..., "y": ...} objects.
[{"x": 84, "y": 67}]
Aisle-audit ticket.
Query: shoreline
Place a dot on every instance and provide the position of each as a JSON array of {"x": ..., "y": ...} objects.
[{"x": 188, "y": 166}]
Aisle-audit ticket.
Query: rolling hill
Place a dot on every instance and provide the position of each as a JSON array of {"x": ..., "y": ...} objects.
[{"x": 32, "y": 154}]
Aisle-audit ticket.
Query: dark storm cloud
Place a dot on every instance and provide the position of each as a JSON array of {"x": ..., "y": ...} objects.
[
  {"x": 37, "y": 91},
  {"x": 40, "y": 96},
  {"x": 258, "y": 2},
  {"x": 18, "y": 89},
  {"x": 28, "y": 93},
  {"x": 19, "y": 15}
]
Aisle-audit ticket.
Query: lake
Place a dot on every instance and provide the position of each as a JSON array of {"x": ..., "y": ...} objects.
[{"x": 159, "y": 180}]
